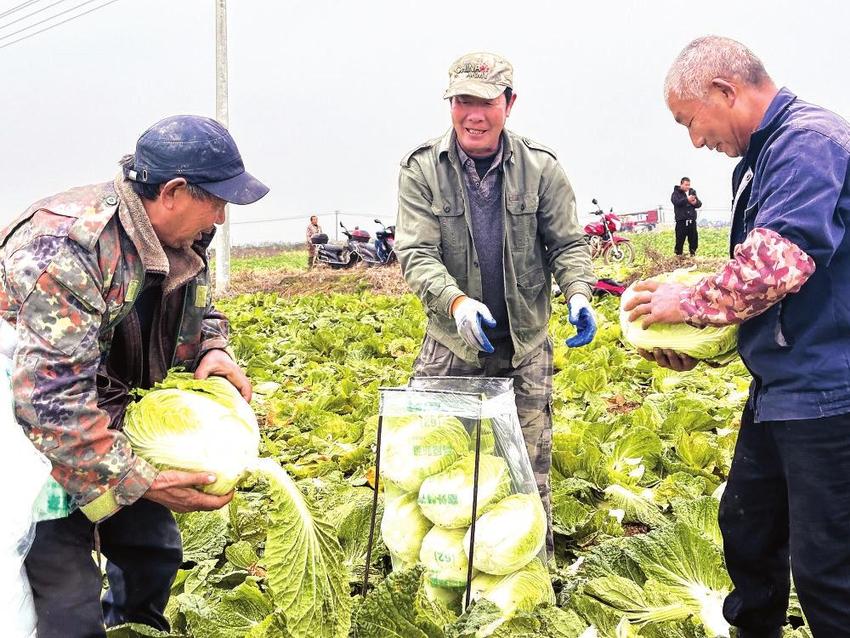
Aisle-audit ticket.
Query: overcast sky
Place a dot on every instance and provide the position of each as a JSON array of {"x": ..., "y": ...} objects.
[{"x": 326, "y": 96}]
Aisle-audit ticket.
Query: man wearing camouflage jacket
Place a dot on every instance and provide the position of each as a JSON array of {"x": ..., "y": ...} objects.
[
  {"x": 107, "y": 286},
  {"x": 486, "y": 219}
]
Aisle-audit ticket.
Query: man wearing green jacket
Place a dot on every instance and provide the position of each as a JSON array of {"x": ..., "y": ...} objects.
[{"x": 486, "y": 218}]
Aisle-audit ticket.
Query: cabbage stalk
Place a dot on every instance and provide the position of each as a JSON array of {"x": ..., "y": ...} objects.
[{"x": 711, "y": 343}]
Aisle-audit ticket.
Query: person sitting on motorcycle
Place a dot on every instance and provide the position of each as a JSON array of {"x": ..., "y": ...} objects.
[{"x": 484, "y": 273}]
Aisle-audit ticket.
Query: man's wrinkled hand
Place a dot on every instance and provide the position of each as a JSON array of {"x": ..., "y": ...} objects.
[
  {"x": 178, "y": 491},
  {"x": 218, "y": 363},
  {"x": 669, "y": 359},
  {"x": 655, "y": 302}
]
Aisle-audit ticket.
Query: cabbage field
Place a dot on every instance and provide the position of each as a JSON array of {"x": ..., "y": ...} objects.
[{"x": 640, "y": 456}]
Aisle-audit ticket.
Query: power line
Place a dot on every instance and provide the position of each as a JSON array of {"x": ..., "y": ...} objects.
[
  {"x": 53, "y": 26},
  {"x": 29, "y": 15},
  {"x": 47, "y": 19},
  {"x": 23, "y": 5}
]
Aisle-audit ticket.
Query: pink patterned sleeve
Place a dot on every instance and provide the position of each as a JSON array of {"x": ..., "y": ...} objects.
[{"x": 765, "y": 269}]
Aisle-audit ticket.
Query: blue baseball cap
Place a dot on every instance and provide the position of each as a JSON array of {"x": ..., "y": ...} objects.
[{"x": 200, "y": 150}]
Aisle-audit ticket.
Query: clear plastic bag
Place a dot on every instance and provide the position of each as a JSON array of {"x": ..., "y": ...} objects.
[
  {"x": 31, "y": 471},
  {"x": 433, "y": 480}
]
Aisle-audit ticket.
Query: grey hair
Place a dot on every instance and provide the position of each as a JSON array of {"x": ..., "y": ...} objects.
[{"x": 707, "y": 58}]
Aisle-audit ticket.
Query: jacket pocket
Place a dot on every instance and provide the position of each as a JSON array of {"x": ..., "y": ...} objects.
[
  {"x": 453, "y": 236},
  {"x": 781, "y": 334},
  {"x": 522, "y": 219}
]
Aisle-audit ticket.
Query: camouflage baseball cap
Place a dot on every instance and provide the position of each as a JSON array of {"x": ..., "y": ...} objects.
[{"x": 484, "y": 75}]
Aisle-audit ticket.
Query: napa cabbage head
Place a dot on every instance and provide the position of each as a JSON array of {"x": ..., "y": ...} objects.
[
  {"x": 205, "y": 425},
  {"x": 419, "y": 447},
  {"x": 446, "y": 498},
  {"x": 403, "y": 526},
  {"x": 195, "y": 425},
  {"x": 521, "y": 590},
  {"x": 711, "y": 343},
  {"x": 444, "y": 558},
  {"x": 510, "y": 535}
]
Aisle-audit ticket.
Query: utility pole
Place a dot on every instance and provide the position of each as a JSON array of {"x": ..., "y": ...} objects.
[{"x": 222, "y": 249}]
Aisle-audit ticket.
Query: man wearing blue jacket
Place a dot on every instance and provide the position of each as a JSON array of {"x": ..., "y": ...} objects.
[{"x": 787, "y": 502}]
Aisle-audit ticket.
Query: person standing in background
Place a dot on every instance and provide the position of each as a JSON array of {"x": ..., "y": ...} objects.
[
  {"x": 313, "y": 228},
  {"x": 685, "y": 204}
]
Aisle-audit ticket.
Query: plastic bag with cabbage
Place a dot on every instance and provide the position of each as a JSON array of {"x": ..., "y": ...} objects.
[{"x": 714, "y": 344}]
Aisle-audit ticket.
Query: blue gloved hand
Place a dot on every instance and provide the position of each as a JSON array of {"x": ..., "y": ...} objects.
[
  {"x": 468, "y": 317},
  {"x": 581, "y": 316}
]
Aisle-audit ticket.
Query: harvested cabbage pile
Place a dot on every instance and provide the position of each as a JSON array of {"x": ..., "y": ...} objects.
[
  {"x": 714, "y": 344},
  {"x": 205, "y": 425}
]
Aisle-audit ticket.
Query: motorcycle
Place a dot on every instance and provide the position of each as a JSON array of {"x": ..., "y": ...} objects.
[
  {"x": 382, "y": 251},
  {"x": 340, "y": 254},
  {"x": 614, "y": 249}
]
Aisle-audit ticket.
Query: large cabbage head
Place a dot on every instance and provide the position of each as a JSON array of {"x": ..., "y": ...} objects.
[
  {"x": 403, "y": 527},
  {"x": 443, "y": 555},
  {"x": 195, "y": 426},
  {"x": 522, "y": 590},
  {"x": 710, "y": 343},
  {"x": 510, "y": 535},
  {"x": 417, "y": 448},
  {"x": 446, "y": 498}
]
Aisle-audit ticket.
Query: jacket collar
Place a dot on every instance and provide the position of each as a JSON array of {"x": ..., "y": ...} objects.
[
  {"x": 178, "y": 265},
  {"x": 448, "y": 146},
  {"x": 769, "y": 122}
]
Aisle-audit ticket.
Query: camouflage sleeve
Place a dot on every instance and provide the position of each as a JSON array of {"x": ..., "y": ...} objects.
[
  {"x": 60, "y": 309},
  {"x": 766, "y": 268},
  {"x": 215, "y": 330}
]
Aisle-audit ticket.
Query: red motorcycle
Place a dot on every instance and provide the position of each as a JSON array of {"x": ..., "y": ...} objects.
[{"x": 600, "y": 235}]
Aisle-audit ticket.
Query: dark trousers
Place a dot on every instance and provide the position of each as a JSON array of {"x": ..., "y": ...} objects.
[
  {"x": 788, "y": 497},
  {"x": 686, "y": 229},
  {"x": 533, "y": 394},
  {"x": 142, "y": 544}
]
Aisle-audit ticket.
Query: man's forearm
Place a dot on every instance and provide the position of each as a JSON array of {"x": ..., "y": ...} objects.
[{"x": 766, "y": 268}]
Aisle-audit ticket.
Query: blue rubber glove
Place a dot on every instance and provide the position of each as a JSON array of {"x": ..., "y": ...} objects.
[
  {"x": 468, "y": 317},
  {"x": 581, "y": 316}
]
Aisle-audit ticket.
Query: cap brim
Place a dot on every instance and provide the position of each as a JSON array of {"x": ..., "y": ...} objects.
[
  {"x": 476, "y": 88},
  {"x": 241, "y": 189}
]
